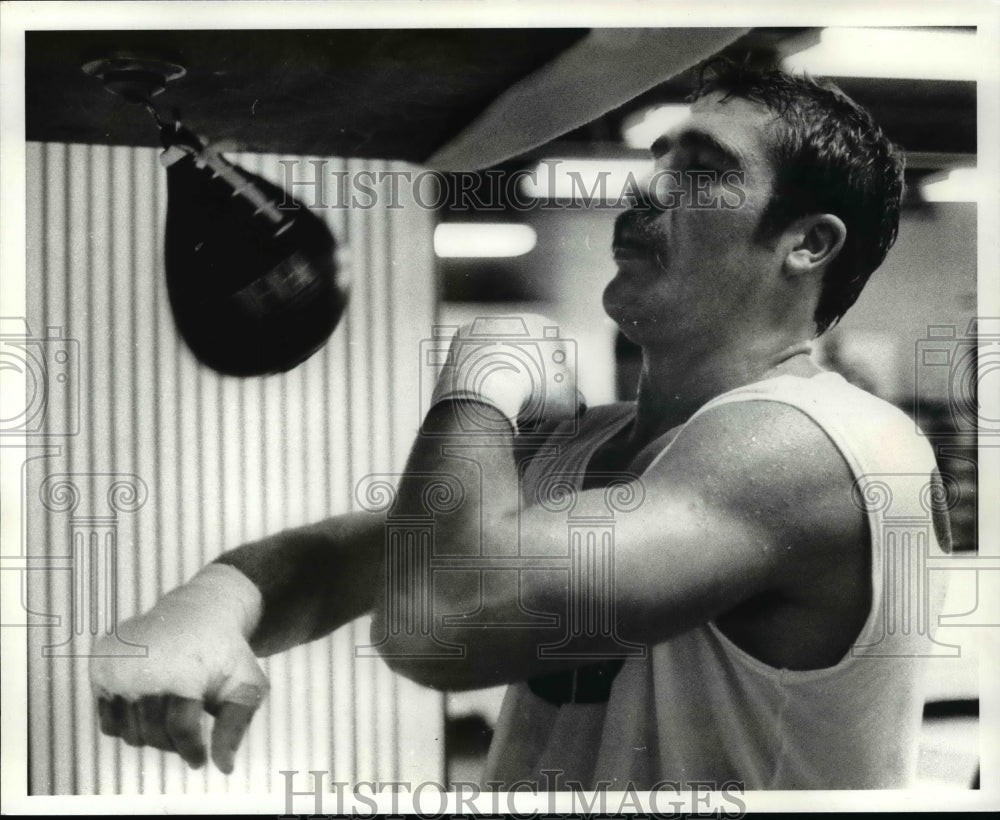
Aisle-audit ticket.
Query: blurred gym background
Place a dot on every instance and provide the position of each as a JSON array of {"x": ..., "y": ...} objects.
[{"x": 211, "y": 462}]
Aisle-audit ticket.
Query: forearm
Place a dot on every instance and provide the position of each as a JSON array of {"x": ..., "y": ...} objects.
[
  {"x": 469, "y": 484},
  {"x": 483, "y": 464},
  {"x": 462, "y": 477},
  {"x": 312, "y": 579}
]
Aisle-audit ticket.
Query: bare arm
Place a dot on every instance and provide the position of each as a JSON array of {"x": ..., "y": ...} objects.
[
  {"x": 749, "y": 499},
  {"x": 312, "y": 579},
  {"x": 201, "y": 638}
]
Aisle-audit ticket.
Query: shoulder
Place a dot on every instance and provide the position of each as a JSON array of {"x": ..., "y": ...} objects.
[
  {"x": 809, "y": 424},
  {"x": 771, "y": 465},
  {"x": 740, "y": 438}
]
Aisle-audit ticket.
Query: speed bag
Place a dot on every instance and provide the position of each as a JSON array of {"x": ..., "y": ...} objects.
[{"x": 252, "y": 280}]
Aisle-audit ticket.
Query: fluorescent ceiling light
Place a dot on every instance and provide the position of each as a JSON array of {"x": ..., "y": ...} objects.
[
  {"x": 602, "y": 180},
  {"x": 641, "y": 128},
  {"x": 958, "y": 185},
  {"x": 918, "y": 54},
  {"x": 480, "y": 240}
]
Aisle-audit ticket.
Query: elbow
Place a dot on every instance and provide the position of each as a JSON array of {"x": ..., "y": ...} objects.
[
  {"x": 424, "y": 671},
  {"x": 442, "y": 673},
  {"x": 445, "y": 667},
  {"x": 420, "y": 636}
]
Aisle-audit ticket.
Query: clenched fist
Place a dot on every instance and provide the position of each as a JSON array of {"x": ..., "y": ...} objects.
[
  {"x": 518, "y": 364},
  {"x": 198, "y": 659}
]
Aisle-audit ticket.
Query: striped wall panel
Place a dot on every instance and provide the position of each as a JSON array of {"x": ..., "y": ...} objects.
[{"x": 169, "y": 465}]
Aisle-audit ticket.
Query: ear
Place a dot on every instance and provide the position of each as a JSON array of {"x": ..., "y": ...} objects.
[{"x": 816, "y": 241}]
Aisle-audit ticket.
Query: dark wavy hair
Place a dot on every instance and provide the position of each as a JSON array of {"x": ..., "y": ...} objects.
[{"x": 830, "y": 157}]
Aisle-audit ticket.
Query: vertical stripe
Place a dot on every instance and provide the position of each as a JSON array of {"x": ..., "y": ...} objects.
[
  {"x": 225, "y": 461},
  {"x": 39, "y": 259}
]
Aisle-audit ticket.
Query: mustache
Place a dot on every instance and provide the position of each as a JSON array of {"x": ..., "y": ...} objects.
[{"x": 636, "y": 228}]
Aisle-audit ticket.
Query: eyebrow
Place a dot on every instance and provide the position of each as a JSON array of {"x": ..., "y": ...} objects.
[{"x": 699, "y": 139}]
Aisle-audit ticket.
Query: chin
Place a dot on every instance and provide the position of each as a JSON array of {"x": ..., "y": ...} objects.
[
  {"x": 629, "y": 323},
  {"x": 611, "y": 302}
]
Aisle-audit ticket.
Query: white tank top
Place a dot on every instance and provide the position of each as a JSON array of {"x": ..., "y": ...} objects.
[{"x": 698, "y": 708}]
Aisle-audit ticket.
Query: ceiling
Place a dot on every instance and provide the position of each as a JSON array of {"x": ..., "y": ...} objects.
[
  {"x": 394, "y": 93},
  {"x": 388, "y": 93}
]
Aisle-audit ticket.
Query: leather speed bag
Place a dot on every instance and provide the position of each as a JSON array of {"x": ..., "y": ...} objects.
[{"x": 253, "y": 286}]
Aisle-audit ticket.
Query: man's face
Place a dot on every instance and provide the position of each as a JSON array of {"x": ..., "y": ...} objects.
[{"x": 699, "y": 270}]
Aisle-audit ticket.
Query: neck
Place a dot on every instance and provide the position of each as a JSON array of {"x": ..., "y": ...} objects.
[{"x": 677, "y": 382}]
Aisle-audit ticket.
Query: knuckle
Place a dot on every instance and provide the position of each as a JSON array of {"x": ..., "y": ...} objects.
[
  {"x": 110, "y": 729},
  {"x": 183, "y": 729},
  {"x": 260, "y": 680}
]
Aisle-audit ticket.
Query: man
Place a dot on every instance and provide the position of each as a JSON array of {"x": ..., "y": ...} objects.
[{"x": 730, "y": 630}]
